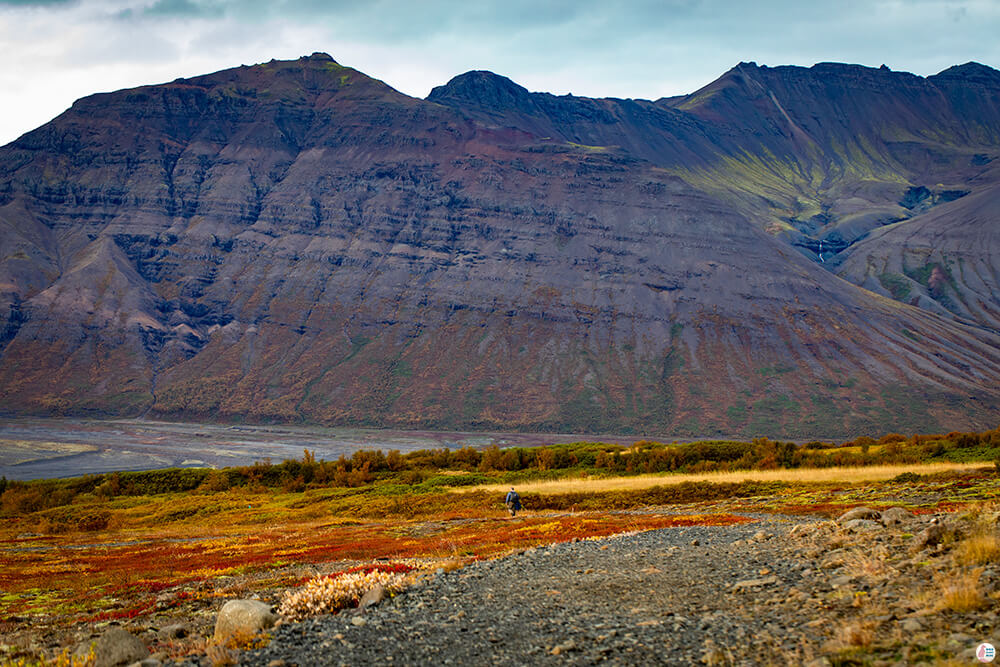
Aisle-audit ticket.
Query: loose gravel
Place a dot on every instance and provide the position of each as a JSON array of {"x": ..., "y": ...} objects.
[{"x": 670, "y": 596}]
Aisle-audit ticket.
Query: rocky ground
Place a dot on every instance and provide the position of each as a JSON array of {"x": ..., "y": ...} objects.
[
  {"x": 776, "y": 591},
  {"x": 872, "y": 587}
]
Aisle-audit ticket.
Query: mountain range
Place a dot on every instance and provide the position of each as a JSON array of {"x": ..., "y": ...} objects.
[{"x": 787, "y": 252}]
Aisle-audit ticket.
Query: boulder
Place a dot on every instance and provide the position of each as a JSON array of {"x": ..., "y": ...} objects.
[
  {"x": 243, "y": 618},
  {"x": 935, "y": 534},
  {"x": 115, "y": 647},
  {"x": 895, "y": 516},
  {"x": 866, "y": 513}
]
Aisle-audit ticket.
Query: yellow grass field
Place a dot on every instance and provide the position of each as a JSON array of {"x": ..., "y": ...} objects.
[{"x": 802, "y": 475}]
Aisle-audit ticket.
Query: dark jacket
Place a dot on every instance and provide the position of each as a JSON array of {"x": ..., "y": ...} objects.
[{"x": 513, "y": 500}]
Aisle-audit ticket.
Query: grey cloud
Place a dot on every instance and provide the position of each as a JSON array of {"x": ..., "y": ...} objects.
[
  {"x": 184, "y": 9},
  {"x": 38, "y": 3}
]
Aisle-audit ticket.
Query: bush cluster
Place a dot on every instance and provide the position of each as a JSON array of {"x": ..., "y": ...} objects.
[
  {"x": 324, "y": 595},
  {"x": 430, "y": 469}
]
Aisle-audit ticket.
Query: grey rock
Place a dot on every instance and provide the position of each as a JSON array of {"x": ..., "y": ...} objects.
[
  {"x": 148, "y": 662},
  {"x": 116, "y": 646},
  {"x": 243, "y": 618},
  {"x": 372, "y": 597},
  {"x": 862, "y": 525},
  {"x": 933, "y": 535},
  {"x": 860, "y": 513},
  {"x": 911, "y": 625},
  {"x": 896, "y": 515},
  {"x": 174, "y": 631}
]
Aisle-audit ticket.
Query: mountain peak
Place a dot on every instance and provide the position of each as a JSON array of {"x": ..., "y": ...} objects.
[
  {"x": 484, "y": 90},
  {"x": 969, "y": 72},
  {"x": 320, "y": 56}
]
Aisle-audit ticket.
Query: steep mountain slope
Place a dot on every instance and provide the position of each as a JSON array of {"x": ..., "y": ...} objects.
[
  {"x": 819, "y": 156},
  {"x": 945, "y": 260},
  {"x": 852, "y": 148},
  {"x": 297, "y": 241}
]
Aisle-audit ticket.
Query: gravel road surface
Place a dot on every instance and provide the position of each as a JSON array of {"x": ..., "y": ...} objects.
[{"x": 671, "y": 596}]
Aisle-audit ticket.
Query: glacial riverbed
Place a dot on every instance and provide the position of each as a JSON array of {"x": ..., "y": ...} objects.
[{"x": 33, "y": 448}]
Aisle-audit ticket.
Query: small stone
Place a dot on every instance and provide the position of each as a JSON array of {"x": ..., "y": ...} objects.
[
  {"x": 359, "y": 621},
  {"x": 911, "y": 625},
  {"x": 372, "y": 597},
  {"x": 754, "y": 583},
  {"x": 174, "y": 631},
  {"x": 818, "y": 662},
  {"x": 568, "y": 645},
  {"x": 277, "y": 663},
  {"x": 862, "y": 525}
]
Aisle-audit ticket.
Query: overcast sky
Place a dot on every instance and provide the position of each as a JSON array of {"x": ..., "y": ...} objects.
[{"x": 55, "y": 51}]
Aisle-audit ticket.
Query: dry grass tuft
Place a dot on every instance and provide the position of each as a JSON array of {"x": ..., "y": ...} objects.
[
  {"x": 855, "y": 634},
  {"x": 960, "y": 591},
  {"x": 801, "y": 475},
  {"x": 221, "y": 656},
  {"x": 871, "y": 562},
  {"x": 979, "y": 549},
  {"x": 324, "y": 595},
  {"x": 244, "y": 641}
]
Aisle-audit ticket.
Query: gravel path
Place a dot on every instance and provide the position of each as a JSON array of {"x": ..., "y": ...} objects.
[{"x": 671, "y": 596}]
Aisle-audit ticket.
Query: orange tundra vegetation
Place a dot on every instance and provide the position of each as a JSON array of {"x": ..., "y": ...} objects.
[
  {"x": 121, "y": 573},
  {"x": 119, "y": 545}
]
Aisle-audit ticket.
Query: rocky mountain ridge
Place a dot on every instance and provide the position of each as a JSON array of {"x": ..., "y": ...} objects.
[{"x": 295, "y": 241}]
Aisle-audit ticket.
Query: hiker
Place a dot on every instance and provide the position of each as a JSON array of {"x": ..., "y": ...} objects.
[{"x": 512, "y": 501}]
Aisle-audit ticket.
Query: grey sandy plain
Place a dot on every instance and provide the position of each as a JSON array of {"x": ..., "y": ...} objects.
[{"x": 35, "y": 448}]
